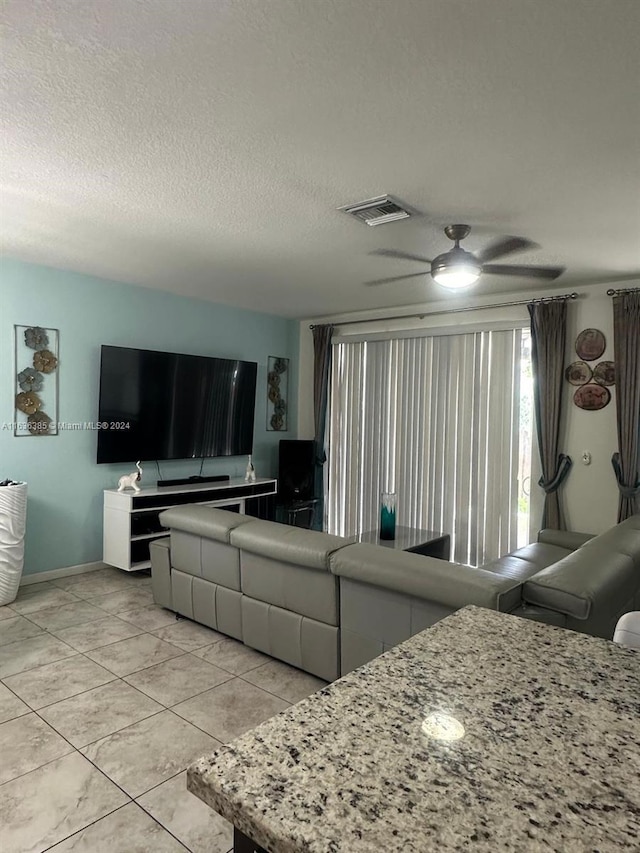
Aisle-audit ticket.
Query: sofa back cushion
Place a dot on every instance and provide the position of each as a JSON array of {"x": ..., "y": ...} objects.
[
  {"x": 287, "y": 544},
  {"x": 568, "y": 539},
  {"x": 624, "y": 538},
  {"x": 200, "y": 542},
  {"x": 206, "y": 521},
  {"x": 302, "y": 590},
  {"x": 428, "y": 578}
]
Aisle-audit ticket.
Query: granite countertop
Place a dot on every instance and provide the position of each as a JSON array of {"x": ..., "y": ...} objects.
[{"x": 549, "y": 760}]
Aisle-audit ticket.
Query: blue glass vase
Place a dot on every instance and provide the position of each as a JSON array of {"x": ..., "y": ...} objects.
[{"x": 388, "y": 515}]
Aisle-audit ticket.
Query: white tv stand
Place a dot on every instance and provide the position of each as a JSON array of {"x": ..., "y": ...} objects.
[{"x": 131, "y": 518}]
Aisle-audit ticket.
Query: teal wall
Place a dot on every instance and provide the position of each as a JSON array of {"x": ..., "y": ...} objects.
[{"x": 64, "y": 523}]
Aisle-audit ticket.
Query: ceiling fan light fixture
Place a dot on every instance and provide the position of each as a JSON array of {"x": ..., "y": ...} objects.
[
  {"x": 456, "y": 269},
  {"x": 457, "y": 278}
]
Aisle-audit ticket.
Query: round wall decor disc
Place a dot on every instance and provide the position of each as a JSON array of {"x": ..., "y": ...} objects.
[
  {"x": 604, "y": 373},
  {"x": 591, "y": 397},
  {"x": 578, "y": 373},
  {"x": 590, "y": 344}
]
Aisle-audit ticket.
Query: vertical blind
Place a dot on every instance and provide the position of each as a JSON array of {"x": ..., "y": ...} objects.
[{"x": 436, "y": 420}]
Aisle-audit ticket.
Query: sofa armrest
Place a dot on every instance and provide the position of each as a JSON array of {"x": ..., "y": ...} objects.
[
  {"x": 428, "y": 578},
  {"x": 160, "y": 552},
  {"x": 564, "y": 538},
  {"x": 594, "y": 579}
]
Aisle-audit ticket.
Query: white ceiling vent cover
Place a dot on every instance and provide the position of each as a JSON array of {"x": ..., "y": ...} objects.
[{"x": 377, "y": 211}]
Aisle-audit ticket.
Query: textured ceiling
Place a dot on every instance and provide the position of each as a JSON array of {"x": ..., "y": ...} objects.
[{"x": 202, "y": 146}]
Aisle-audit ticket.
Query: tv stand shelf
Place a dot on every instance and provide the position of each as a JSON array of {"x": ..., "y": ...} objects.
[{"x": 131, "y": 518}]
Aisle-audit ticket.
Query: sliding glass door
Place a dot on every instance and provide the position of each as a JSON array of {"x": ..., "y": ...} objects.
[{"x": 443, "y": 421}]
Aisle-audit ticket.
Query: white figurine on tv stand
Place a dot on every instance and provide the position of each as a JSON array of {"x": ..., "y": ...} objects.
[
  {"x": 130, "y": 481},
  {"x": 250, "y": 475}
]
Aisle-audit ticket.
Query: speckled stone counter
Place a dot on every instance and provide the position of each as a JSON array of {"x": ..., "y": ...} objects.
[{"x": 549, "y": 760}]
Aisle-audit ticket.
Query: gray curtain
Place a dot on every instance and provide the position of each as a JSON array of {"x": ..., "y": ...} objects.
[
  {"x": 626, "y": 347},
  {"x": 548, "y": 335},
  {"x": 321, "y": 363}
]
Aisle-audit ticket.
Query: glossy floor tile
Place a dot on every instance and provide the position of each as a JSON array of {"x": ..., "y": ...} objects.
[
  {"x": 136, "y": 653},
  {"x": 127, "y": 830},
  {"x": 93, "y": 635},
  {"x": 197, "y": 826},
  {"x": 97, "y": 580},
  {"x": 27, "y": 743},
  {"x": 149, "y": 618},
  {"x": 53, "y": 682},
  {"x": 17, "y": 628},
  {"x": 284, "y": 681},
  {"x": 52, "y": 618},
  {"x": 231, "y": 709},
  {"x": 35, "y": 599},
  {"x": 99, "y": 712},
  {"x": 32, "y": 652},
  {"x": 141, "y": 756},
  {"x": 6, "y": 612},
  {"x": 10, "y": 706},
  {"x": 101, "y": 586},
  {"x": 130, "y": 598},
  {"x": 46, "y": 805},
  {"x": 70, "y": 581},
  {"x": 188, "y": 635},
  {"x": 233, "y": 656},
  {"x": 177, "y": 679},
  {"x": 106, "y": 698}
]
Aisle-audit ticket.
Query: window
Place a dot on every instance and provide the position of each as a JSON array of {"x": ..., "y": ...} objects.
[{"x": 445, "y": 422}]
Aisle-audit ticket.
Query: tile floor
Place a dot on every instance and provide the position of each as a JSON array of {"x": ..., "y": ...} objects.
[{"x": 105, "y": 698}]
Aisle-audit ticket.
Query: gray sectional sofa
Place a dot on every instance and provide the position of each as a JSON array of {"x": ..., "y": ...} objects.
[{"x": 328, "y": 605}]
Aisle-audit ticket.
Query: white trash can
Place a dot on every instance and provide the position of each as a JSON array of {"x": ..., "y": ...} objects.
[{"x": 13, "y": 519}]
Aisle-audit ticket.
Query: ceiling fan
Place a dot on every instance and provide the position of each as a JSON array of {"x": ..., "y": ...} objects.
[{"x": 458, "y": 268}]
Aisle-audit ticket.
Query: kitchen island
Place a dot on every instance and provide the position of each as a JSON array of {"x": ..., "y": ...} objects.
[{"x": 485, "y": 732}]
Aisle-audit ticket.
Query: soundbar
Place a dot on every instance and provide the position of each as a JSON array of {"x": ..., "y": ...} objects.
[{"x": 194, "y": 481}]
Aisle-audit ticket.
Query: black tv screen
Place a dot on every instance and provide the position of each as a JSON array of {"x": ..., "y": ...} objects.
[{"x": 163, "y": 405}]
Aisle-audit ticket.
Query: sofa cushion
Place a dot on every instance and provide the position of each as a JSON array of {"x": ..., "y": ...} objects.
[
  {"x": 207, "y": 521},
  {"x": 541, "y": 554},
  {"x": 287, "y": 544},
  {"x": 298, "y": 640},
  {"x": 512, "y": 567},
  {"x": 526, "y": 562}
]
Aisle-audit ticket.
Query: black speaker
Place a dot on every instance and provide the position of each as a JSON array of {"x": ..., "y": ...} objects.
[{"x": 296, "y": 470}]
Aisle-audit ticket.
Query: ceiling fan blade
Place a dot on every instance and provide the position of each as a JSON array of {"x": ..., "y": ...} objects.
[
  {"x": 395, "y": 278},
  {"x": 503, "y": 247},
  {"x": 405, "y": 256},
  {"x": 548, "y": 273}
]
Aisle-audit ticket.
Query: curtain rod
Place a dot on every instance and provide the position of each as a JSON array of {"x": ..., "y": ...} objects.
[
  {"x": 613, "y": 292},
  {"x": 424, "y": 314}
]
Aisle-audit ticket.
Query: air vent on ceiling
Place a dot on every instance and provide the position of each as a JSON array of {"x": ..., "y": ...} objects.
[{"x": 377, "y": 211}]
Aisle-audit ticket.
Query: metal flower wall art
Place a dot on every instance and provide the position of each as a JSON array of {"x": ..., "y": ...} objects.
[
  {"x": 277, "y": 393},
  {"x": 36, "y": 371}
]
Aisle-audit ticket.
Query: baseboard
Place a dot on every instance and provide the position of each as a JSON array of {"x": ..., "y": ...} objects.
[{"x": 64, "y": 572}]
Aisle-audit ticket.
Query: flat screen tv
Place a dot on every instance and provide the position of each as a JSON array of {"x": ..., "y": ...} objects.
[{"x": 163, "y": 405}]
